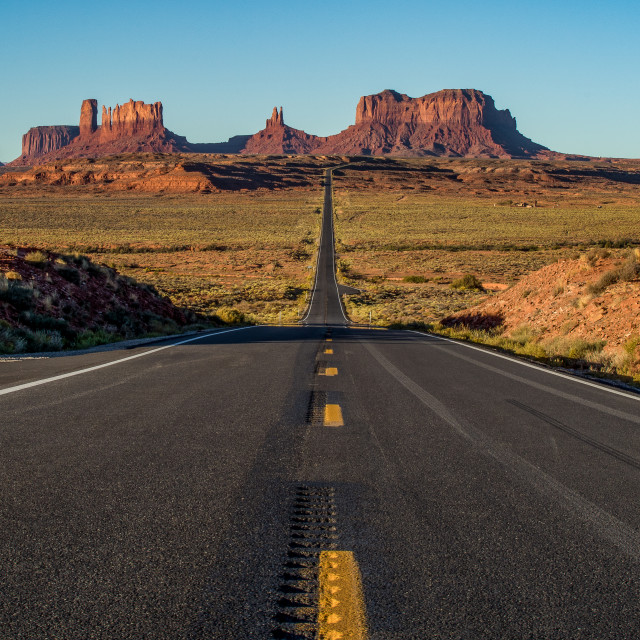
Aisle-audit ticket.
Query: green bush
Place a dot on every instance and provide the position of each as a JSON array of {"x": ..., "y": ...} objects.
[
  {"x": 11, "y": 342},
  {"x": 630, "y": 270},
  {"x": 607, "y": 279},
  {"x": 38, "y": 321},
  {"x": 415, "y": 279},
  {"x": 69, "y": 273},
  {"x": 468, "y": 282},
  {"x": 523, "y": 335},
  {"x": 579, "y": 349},
  {"x": 89, "y": 338},
  {"x": 18, "y": 294},
  {"x": 632, "y": 344},
  {"x": 300, "y": 254},
  {"x": 44, "y": 340},
  {"x": 231, "y": 316}
]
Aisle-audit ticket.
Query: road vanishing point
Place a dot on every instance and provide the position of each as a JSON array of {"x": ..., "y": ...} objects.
[{"x": 324, "y": 480}]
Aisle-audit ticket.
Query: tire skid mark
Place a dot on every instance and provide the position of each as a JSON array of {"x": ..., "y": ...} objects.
[
  {"x": 606, "y": 525},
  {"x": 615, "y": 453}
]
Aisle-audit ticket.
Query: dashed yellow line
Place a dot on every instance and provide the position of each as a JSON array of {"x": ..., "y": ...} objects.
[
  {"x": 341, "y": 611},
  {"x": 333, "y": 416},
  {"x": 327, "y": 371},
  {"x": 329, "y": 351},
  {"x": 329, "y": 339}
]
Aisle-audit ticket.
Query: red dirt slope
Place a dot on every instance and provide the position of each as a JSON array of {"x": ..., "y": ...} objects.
[
  {"x": 589, "y": 306},
  {"x": 49, "y": 302}
]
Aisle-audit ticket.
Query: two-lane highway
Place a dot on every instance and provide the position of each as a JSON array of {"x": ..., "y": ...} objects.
[
  {"x": 311, "y": 481},
  {"x": 325, "y": 307}
]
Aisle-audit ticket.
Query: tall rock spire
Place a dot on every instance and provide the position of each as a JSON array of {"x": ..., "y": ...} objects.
[
  {"x": 88, "y": 117},
  {"x": 276, "y": 119}
]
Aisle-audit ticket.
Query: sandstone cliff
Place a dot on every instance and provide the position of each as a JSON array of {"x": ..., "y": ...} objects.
[
  {"x": 133, "y": 119},
  {"x": 41, "y": 140},
  {"x": 452, "y": 122},
  {"x": 88, "y": 117},
  {"x": 129, "y": 128}
]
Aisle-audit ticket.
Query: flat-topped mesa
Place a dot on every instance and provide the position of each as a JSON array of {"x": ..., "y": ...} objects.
[
  {"x": 40, "y": 140},
  {"x": 458, "y": 107},
  {"x": 133, "y": 119},
  {"x": 276, "y": 119},
  {"x": 451, "y": 122}
]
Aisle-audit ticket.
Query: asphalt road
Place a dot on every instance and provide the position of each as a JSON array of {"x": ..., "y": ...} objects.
[
  {"x": 168, "y": 495},
  {"x": 325, "y": 307}
]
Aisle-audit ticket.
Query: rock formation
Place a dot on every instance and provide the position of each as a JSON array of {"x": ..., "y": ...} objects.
[
  {"x": 278, "y": 138},
  {"x": 452, "y": 122},
  {"x": 130, "y": 120},
  {"x": 129, "y": 128},
  {"x": 41, "y": 140},
  {"x": 276, "y": 118},
  {"x": 88, "y": 117}
]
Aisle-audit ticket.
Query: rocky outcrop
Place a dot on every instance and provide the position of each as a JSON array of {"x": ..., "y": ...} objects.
[
  {"x": 278, "y": 138},
  {"x": 133, "y": 119},
  {"x": 276, "y": 119},
  {"x": 452, "y": 122},
  {"x": 41, "y": 140},
  {"x": 88, "y": 117},
  {"x": 564, "y": 304},
  {"x": 129, "y": 128}
]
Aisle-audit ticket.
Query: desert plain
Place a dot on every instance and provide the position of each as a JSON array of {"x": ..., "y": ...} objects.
[{"x": 544, "y": 246}]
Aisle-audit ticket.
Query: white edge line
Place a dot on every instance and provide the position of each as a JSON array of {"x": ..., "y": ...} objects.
[
  {"x": 36, "y": 383},
  {"x": 333, "y": 256},
  {"x": 315, "y": 280},
  {"x": 537, "y": 367}
]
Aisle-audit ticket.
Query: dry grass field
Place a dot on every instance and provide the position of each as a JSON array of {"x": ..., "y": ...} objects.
[
  {"x": 236, "y": 237},
  {"x": 406, "y": 230},
  {"x": 241, "y": 256}
]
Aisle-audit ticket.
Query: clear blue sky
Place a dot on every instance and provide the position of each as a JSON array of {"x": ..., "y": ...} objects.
[{"x": 569, "y": 71}]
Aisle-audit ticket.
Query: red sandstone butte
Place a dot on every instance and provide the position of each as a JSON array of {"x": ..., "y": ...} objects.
[
  {"x": 129, "y": 128},
  {"x": 88, "y": 117},
  {"x": 452, "y": 122},
  {"x": 278, "y": 138},
  {"x": 41, "y": 140}
]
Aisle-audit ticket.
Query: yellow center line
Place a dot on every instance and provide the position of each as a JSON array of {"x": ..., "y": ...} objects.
[
  {"x": 333, "y": 416},
  {"x": 329, "y": 339},
  {"x": 327, "y": 371},
  {"x": 329, "y": 351},
  {"x": 341, "y": 610}
]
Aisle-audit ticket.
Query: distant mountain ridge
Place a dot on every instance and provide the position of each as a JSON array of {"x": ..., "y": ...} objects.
[{"x": 451, "y": 122}]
